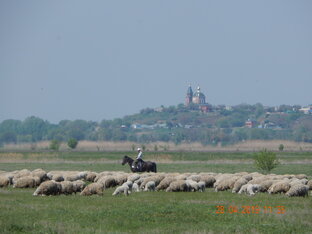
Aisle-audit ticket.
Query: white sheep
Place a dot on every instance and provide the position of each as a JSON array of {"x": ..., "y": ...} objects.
[
  {"x": 135, "y": 187},
  {"x": 238, "y": 184},
  {"x": 150, "y": 186},
  {"x": 250, "y": 189},
  {"x": 121, "y": 189}
]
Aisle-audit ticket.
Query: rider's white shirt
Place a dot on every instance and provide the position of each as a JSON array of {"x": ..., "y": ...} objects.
[{"x": 140, "y": 155}]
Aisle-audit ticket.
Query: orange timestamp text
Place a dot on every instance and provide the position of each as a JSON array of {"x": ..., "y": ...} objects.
[{"x": 250, "y": 209}]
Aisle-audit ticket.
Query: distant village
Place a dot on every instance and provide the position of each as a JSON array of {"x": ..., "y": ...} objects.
[{"x": 197, "y": 99}]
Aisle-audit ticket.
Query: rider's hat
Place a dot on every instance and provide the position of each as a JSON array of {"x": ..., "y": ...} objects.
[{"x": 139, "y": 149}]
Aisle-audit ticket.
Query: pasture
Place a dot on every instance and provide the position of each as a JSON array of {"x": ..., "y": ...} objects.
[{"x": 153, "y": 212}]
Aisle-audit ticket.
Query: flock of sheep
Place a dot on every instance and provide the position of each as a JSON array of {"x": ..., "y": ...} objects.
[{"x": 89, "y": 183}]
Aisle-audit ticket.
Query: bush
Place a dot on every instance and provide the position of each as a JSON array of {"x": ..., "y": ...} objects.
[
  {"x": 55, "y": 145},
  {"x": 72, "y": 143},
  {"x": 265, "y": 160},
  {"x": 281, "y": 147}
]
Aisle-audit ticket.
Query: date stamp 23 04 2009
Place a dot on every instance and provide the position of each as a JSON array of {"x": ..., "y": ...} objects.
[{"x": 250, "y": 210}]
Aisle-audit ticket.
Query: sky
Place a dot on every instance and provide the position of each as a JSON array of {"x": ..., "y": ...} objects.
[{"x": 95, "y": 60}]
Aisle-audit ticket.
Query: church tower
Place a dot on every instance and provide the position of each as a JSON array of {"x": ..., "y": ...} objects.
[
  {"x": 199, "y": 97},
  {"x": 189, "y": 96}
]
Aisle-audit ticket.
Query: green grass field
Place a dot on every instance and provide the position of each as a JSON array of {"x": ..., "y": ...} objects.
[{"x": 153, "y": 212}]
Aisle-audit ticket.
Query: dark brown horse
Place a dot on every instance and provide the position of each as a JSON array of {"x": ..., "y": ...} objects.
[{"x": 146, "y": 166}]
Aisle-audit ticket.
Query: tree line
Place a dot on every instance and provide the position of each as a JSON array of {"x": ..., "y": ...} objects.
[{"x": 175, "y": 123}]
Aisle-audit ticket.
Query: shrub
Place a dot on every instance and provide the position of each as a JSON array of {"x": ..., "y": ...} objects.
[
  {"x": 72, "y": 143},
  {"x": 265, "y": 160},
  {"x": 281, "y": 147},
  {"x": 55, "y": 145}
]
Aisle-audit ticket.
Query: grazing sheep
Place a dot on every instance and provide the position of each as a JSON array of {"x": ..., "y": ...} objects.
[
  {"x": 121, "y": 178},
  {"x": 49, "y": 187},
  {"x": 301, "y": 176},
  {"x": 4, "y": 181},
  {"x": 79, "y": 185},
  {"x": 157, "y": 179},
  {"x": 133, "y": 177},
  {"x": 297, "y": 190},
  {"x": 121, "y": 189},
  {"x": 150, "y": 186},
  {"x": 178, "y": 186},
  {"x": 57, "y": 177},
  {"x": 25, "y": 182},
  {"x": 93, "y": 189},
  {"x": 41, "y": 174},
  {"x": 129, "y": 184},
  {"x": 265, "y": 185},
  {"x": 67, "y": 187},
  {"x": 107, "y": 181},
  {"x": 193, "y": 185},
  {"x": 209, "y": 180},
  {"x": 135, "y": 187},
  {"x": 226, "y": 183},
  {"x": 91, "y": 176},
  {"x": 250, "y": 189},
  {"x": 279, "y": 187},
  {"x": 309, "y": 184},
  {"x": 201, "y": 186},
  {"x": 238, "y": 184},
  {"x": 195, "y": 178},
  {"x": 164, "y": 184}
]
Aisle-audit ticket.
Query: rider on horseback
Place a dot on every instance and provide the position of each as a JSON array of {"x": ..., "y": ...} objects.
[{"x": 138, "y": 161}]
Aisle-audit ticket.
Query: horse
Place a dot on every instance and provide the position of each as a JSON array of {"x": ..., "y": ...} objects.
[{"x": 145, "y": 166}]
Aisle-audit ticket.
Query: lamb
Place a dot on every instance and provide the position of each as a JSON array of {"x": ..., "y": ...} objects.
[
  {"x": 92, "y": 189},
  {"x": 129, "y": 184},
  {"x": 281, "y": 186},
  {"x": 298, "y": 189},
  {"x": 25, "y": 182},
  {"x": 178, "y": 186},
  {"x": 193, "y": 185},
  {"x": 49, "y": 187},
  {"x": 250, "y": 189},
  {"x": 121, "y": 189},
  {"x": 238, "y": 184},
  {"x": 201, "y": 186},
  {"x": 150, "y": 186},
  {"x": 135, "y": 187}
]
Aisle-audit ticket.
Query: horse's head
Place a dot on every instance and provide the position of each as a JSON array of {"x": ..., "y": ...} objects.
[{"x": 125, "y": 160}]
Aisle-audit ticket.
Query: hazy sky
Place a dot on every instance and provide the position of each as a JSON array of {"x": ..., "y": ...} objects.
[{"x": 97, "y": 60}]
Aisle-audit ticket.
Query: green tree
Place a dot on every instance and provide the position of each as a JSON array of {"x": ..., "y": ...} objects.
[
  {"x": 55, "y": 145},
  {"x": 265, "y": 160},
  {"x": 72, "y": 143}
]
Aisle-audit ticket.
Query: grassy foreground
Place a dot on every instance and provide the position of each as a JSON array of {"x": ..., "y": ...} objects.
[{"x": 152, "y": 212}]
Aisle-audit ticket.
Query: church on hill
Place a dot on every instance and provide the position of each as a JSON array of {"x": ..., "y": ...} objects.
[{"x": 197, "y": 98}]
